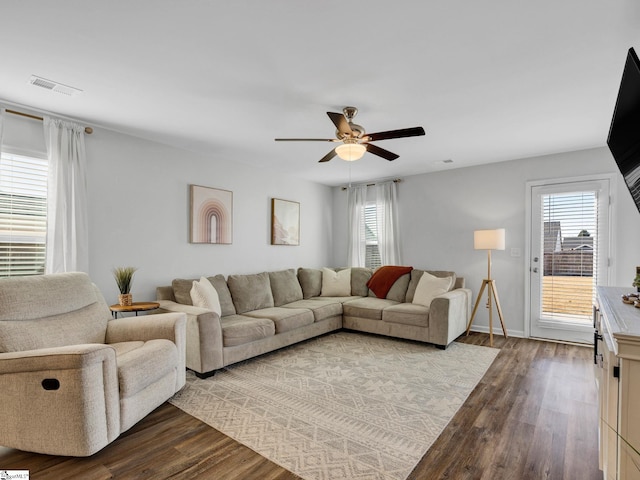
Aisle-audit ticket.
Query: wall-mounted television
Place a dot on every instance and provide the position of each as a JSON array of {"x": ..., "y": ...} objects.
[{"x": 624, "y": 133}]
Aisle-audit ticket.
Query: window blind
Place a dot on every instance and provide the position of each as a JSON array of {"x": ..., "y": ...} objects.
[
  {"x": 570, "y": 254},
  {"x": 23, "y": 214},
  {"x": 372, "y": 252}
]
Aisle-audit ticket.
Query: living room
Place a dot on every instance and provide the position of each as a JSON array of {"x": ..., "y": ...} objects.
[{"x": 138, "y": 180}]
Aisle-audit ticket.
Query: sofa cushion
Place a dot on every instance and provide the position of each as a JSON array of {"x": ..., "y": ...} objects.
[
  {"x": 417, "y": 274},
  {"x": 311, "y": 282},
  {"x": 336, "y": 283},
  {"x": 407, "y": 314},
  {"x": 182, "y": 290},
  {"x": 322, "y": 308},
  {"x": 285, "y": 287},
  {"x": 238, "y": 329},
  {"x": 285, "y": 319},
  {"x": 359, "y": 278},
  {"x": 226, "y": 302},
  {"x": 204, "y": 295},
  {"x": 398, "y": 290},
  {"x": 429, "y": 287},
  {"x": 368, "y": 307},
  {"x": 250, "y": 292},
  {"x": 384, "y": 277}
]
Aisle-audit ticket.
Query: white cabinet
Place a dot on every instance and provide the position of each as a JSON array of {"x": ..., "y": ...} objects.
[{"x": 617, "y": 358}]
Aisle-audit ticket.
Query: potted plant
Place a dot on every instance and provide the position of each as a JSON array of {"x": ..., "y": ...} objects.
[
  {"x": 636, "y": 282},
  {"x": 124, "y": 277}
]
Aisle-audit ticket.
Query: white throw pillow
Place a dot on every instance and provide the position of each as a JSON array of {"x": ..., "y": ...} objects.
[
  {"x": 204, "y": 295},
  {"x": 336, "y": 284},
  {"x": 429, "y": 287}
]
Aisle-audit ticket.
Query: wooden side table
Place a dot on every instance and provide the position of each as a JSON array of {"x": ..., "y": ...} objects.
[{"x": 134, "y": 307}]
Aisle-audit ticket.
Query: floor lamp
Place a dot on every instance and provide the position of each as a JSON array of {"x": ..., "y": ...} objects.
[{"x": 488, "y": 240}]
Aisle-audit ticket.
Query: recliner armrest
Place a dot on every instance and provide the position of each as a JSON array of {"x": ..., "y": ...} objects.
[
  {"x": 56, "y": 358},
  {"x": 169, "y": 326}
]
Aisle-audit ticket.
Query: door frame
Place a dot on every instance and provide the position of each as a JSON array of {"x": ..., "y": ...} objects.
[{"x": 610, "y": 271}]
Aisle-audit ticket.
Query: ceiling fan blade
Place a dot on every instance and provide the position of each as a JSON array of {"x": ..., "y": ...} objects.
[
  {"x": 306, "y": 140},
  {"x": 381, "y": 152},
  {"x": 340, "y": 122},
  {"x": 403, "y": 132},
  {"x": 328, "y": 156}
]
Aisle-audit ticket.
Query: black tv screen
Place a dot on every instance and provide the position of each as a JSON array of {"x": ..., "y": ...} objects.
[{"x": 624, "y": 133}]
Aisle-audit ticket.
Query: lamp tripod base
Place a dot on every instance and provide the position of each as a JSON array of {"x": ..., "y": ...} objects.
[{"x": 490, "y": 285}]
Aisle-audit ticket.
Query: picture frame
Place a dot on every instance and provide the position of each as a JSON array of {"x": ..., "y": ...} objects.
[
  {"x": 211, "y": 215},
  {"x": 285, "y": 222}
]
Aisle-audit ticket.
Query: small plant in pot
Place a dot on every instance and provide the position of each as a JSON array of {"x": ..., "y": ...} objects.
[
  {"x": 124, "y": 277},
  {"x": 636, "y": 282}
]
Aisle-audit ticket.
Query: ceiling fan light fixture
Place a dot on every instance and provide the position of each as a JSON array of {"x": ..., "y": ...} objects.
[{"x": 351, "y": 152}]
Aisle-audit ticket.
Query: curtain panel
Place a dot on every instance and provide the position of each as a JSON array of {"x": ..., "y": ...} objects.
[
  {"x": 67, "y": 226},
  {"x": 357, "y": 200}
]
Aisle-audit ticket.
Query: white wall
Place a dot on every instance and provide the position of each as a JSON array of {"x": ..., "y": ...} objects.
[
  {"x": 439, "y": 212},
  {"x": 139, "y": 211}
]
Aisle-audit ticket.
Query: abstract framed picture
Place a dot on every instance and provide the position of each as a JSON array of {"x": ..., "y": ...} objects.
[
  {"x": 285, "y": 222},
  {"x": 211, "y": 215}
]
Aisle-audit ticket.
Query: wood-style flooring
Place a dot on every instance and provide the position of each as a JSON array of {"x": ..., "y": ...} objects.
[{"x": 533, "y": 416}]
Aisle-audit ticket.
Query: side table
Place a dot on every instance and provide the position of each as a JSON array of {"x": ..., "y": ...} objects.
[{"x": 134, "y": 307}]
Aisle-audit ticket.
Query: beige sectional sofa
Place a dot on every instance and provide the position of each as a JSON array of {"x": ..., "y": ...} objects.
[{"x": 269, "y": 310}]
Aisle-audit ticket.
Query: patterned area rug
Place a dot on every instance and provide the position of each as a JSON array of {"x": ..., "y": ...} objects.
[{"x": 342, "y": 406}]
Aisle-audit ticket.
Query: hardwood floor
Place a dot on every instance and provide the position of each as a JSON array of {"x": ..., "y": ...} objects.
[{"x": 532, "y": 416}]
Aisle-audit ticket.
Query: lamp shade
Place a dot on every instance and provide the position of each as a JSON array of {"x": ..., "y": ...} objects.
[
  {"x": 488, "y": 239},
  {"x": 351, "y": 151}
]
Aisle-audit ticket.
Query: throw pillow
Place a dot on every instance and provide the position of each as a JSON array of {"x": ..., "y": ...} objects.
[
  {"x": 429, "y": 287},
  {"x": 204, "y": 295},
  {"x": 336, "y": 284}
]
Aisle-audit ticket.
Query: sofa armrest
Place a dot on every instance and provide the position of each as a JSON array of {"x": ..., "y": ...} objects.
[
  {"x": 204, "y": 336},
  {"x": 448, "y": 316},
  {"x": 73, "y": 387},
  {"x": 169, "y": 326}
]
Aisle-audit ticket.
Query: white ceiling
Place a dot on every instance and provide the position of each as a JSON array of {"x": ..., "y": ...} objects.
[{"x": 489, "y": 80}]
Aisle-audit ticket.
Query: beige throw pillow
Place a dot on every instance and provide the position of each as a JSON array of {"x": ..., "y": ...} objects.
[
  {"x": 204, "y": 295},
  {"x": 336, "y": 284},
  {"x": 429, "y": 287}
]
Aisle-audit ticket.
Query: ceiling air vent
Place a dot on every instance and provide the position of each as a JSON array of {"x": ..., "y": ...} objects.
[{"x": 54, "y": 86}]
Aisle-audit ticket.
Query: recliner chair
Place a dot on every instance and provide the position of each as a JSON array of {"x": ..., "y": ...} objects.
[{"x": 71, "y": 378}]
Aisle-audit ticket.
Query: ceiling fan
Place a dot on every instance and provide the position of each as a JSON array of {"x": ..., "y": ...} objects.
[{"x": 354, "y": 140}]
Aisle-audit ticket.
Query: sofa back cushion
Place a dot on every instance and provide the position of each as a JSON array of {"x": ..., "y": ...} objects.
[
  {"x": 182, "y": 292},
  {"x": 55, "y": 310},
  {"x": 285, "y": 287},
  {"x": 250, "y": 292},
  {"x": 311, "y": 282},
  {"x": 359, "y": 278},
  {"x": 417, "y": 274},
  {"x": 224, "y": 295},
  {"x": 398, "y": 291}
]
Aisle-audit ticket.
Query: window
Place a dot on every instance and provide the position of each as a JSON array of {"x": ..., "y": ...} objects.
[
  {"x": 372, "y": 254},
  {"x": 23, "y": 214},
  {"x": 570, "y": 239}
]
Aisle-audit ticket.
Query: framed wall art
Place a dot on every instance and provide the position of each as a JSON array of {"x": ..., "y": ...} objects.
[
  {"x": 211, "y": 215},
  {"x": 285, "y": 222}
]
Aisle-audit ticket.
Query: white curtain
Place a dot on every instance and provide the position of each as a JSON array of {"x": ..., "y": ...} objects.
[
  {"x": 357, "y": 199},
  {"x": 67, "y": 229},
  {"x": 387, "y": 222}
]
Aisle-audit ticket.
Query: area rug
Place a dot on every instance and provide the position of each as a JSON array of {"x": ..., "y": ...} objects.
[{"x": 342, "y": 406}]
